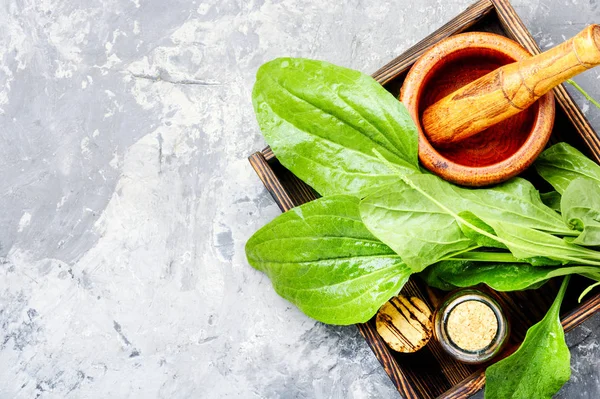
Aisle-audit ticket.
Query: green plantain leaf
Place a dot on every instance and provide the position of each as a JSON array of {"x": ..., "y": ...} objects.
[
  {"x": 321, "y": 257},
  {"x": 561, "y": 164},
  {"x": 581, "y": 210},
  {"x": 415, "y": 228},
  {"x": 420, "y": 217},
  {"x": 451, "y": 274},
  {"x": 536, "y": 246},
  {"x": 540, "y": 367},
  {"x": 515, "y": 201},
  {"x": 324, "y": 121}
]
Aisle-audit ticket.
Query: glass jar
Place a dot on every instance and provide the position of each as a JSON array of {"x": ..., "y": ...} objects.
[{"x": 471, "y": 326}]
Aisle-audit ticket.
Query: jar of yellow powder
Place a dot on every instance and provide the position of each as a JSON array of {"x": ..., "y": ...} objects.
[{"x": 471, "y": 326}]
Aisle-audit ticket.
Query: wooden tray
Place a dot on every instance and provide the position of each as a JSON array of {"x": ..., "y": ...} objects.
[{"x": 430, "y": 373}]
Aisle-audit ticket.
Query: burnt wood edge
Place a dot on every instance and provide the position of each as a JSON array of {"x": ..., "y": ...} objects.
[
  {"x": 514, "y": 26},
  {"x": 269, "y": 179},
  {"x": 389, "y": 364},
  {"x": 466, "y": 388},
  {"x": 463, "y": 21},
  {"x": 268, "y": 153},
  {"x": 581, "y": 313}
]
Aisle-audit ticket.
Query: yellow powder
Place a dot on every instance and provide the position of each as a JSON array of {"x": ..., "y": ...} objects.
[{"x": 472, "y": 325}]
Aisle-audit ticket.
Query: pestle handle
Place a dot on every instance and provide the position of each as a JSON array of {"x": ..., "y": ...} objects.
[{"x": 509, "y": 89}]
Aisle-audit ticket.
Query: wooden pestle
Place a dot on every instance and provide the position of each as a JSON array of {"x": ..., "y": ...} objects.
[{"x": 509, "y": 89}]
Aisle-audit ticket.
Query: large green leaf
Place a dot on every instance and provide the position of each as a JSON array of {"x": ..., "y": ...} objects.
[
  {"x": 449, "y": 275},
  {"x": 426, "y": 219},
  {"x": 580, "y": 206},
  {"x": 561, "y": 164},
  {"x": 321, "y": 257},
  {"x": 540, "y": 367},
  {"x": 324, "y": 121}
]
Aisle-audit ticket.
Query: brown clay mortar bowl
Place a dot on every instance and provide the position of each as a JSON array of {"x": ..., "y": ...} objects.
[{"x": 499, "y": 152}]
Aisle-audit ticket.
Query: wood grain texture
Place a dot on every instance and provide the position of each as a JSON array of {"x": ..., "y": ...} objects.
[
  {"x": 388, "y": 362},
  {"x": 405, "y": 323},
  {"x": 271, "y": 181},
  {"x": 466, "y": 388},
  {"x": 430, "y": 373},
  {"x": 268, "y": 154},
  {"x": 507, "y": 90},
  {"x": 516, "y": 30}
]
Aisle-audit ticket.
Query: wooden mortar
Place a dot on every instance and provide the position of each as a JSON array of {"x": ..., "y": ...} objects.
[
  {"x": 509, "y": 90},
  {"x": 501, "y": 151}
]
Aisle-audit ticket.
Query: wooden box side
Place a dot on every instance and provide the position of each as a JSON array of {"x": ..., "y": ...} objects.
[{"x": 288, "y": 191}]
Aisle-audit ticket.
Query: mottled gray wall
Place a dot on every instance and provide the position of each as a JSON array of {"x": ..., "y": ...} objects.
[{"x": 127, "y": 197}]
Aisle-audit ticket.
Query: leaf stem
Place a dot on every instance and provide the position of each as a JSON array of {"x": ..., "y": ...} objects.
[
  {"x": 459, "y": 253},
  {"x": 561, "y": 291},
  {"x": 580, "y": 89},
  {"x": 587, "y": 291}
]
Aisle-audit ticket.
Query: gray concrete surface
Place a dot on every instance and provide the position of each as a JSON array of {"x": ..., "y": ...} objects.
[{"x": 127, "y": 197}]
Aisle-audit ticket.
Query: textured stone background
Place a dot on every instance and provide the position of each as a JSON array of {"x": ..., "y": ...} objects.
[{"x": 127, "y": 197}]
